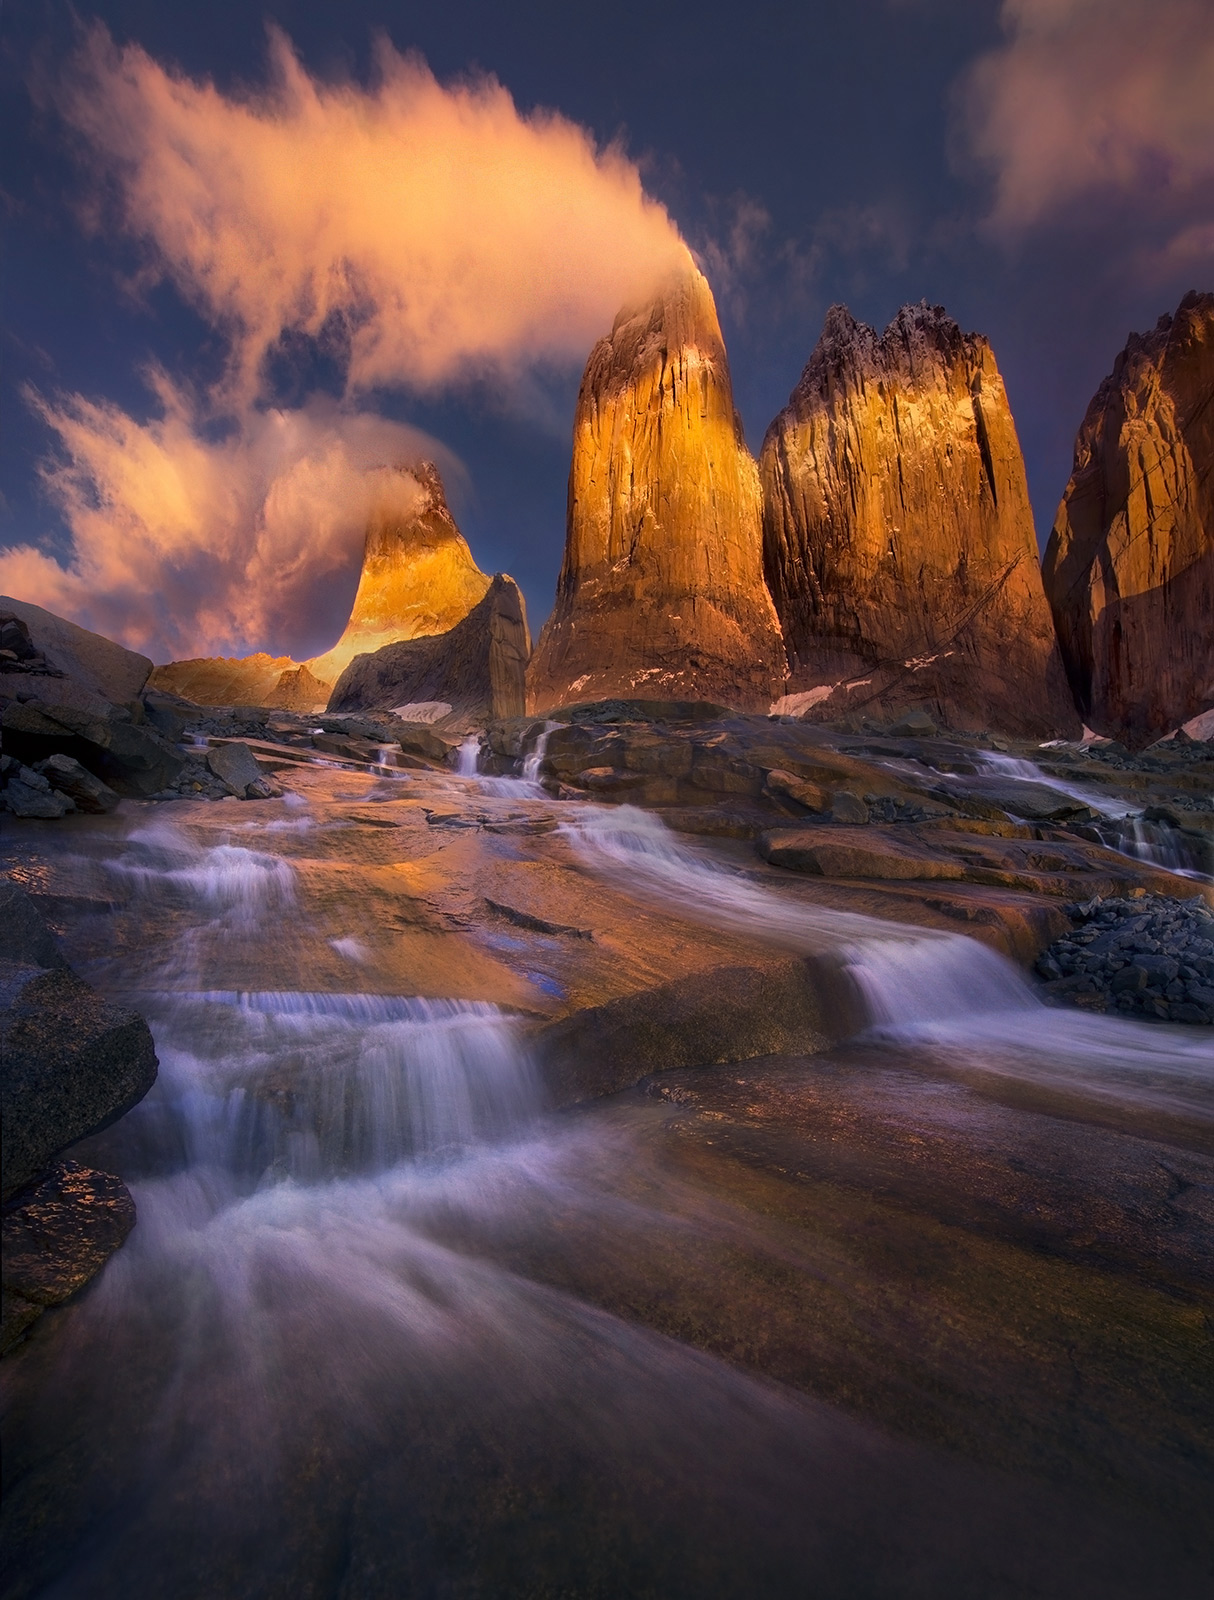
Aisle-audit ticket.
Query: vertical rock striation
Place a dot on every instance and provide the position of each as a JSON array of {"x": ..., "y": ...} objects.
[
  {"x": 898, "y": 535},
  {"x": 418, "y": 576},
  {"x": 661, "y": 593},
  {"x": 1129, "y": 568}
]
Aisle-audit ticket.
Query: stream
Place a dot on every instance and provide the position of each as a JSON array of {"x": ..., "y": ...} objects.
[{"x": 388, "y": 1326}]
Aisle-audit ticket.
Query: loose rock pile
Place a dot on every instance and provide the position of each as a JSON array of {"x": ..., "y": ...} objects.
[{"x": 1146, "y": 957}]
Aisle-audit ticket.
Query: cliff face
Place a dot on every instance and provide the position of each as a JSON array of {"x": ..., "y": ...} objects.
[
  {"x": 259, "y": 680},
  {"x": 478, "y": 667},
  {"x": 898, "y": 535},
  {"x": 418, "y": 576},
  {"x": 1130, "y": 564},
  {"x": 661, "y": 593}
]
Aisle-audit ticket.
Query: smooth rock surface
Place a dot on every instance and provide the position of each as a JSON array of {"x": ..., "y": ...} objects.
[
  {"x": 1129, "y": 568},
  {"x": 898, "y": 534},
  {"x": 88, "y": 659},
  {"x": 661, "y": 591}
]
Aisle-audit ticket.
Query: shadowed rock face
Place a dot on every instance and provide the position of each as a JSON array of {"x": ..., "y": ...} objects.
[
  {"x": 898, "y": 535},
  {"x": 418, "y": 577},
  {"x": 661, "y": 592},
  {"x": 478, "y": 667},
  {"x": 1129, "y": 568}
]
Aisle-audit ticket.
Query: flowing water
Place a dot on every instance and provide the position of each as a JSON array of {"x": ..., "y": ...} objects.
[{"x": 373, "y": 1333}]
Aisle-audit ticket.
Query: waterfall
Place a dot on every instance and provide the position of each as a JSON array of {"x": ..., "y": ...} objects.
[{"x": 468, "y": 756}]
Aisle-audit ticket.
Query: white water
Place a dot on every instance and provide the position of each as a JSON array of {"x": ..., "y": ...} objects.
[
  {"x": 904, "y": 974},
  {"x": 311, "y": 1328},
  {"x": 469, "y": 756},
  {"x": 918, "y": 986}
]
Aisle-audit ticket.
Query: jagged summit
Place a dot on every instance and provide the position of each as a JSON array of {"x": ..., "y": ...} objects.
[
  {"x": 418, "y": 576},
  {"x": 1129, "y": 568},
  {"x": 898, "y": 537},
  {"x": 661, "y": 591}
]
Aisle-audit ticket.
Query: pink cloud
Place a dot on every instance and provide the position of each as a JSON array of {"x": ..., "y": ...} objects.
[
  {"x": 1092, "y": 100},
  {"x": 436, "y": 228},
  {"x": 187, "y": 546}
]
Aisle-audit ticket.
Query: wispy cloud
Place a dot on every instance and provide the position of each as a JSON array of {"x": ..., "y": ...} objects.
[
  {"x": 185, "y": 545},
  {"x": 1096, "y": 103},
  {"x": 428, "y": 232}
]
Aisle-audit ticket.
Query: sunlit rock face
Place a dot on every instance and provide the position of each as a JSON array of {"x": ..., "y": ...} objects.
[
  {"x": 418, "y": 576},
  {"x": 898, "y": 535},
  {"x": 1129, "y": 568},
  {"x": 661, "y": 592},
  {"x": 257, "y": 680}
]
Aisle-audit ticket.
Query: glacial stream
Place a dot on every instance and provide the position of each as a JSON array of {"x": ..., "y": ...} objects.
[{"x": 388, "y": 1326}]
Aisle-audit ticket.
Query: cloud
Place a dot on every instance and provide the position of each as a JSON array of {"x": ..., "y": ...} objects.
[
  {"x": 1095, "y": 102},
  {"x": 187, "y": 545},
  {"x": 426, "y": 233}
]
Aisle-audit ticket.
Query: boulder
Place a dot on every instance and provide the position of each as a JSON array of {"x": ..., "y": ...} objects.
[
  {"x": 418, "y": 577},
  {"x": 477, "y": 667},
  {"x": 235, "y": 765},
  {"x": 72, "y": 1063},
  {"x": 662, "y": 586},
  {"x": 66, "y": 775},
  {"x": 128, "y": 758},
  {"x": 90, "y": 661},
  {"x": 58, "y": 1235},
  {"x": 898, "y": 535},
  {"x": 25, "y": 938},
  {"x": 1129, "y": 568},
  {"x": 26, "y": 793}
]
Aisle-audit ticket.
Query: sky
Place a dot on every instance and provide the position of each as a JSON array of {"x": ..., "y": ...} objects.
[{"x": 253, "y": 258}]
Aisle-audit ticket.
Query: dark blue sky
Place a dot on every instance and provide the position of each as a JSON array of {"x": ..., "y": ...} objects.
[{"x": 837, "y": 124}]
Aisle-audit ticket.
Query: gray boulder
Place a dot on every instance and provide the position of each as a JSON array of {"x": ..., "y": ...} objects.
[
  {"x": 128, "y": 758},
  {"x": 27, "y": 793},
  {"x": 88, "y": 659},
  {"x": 478, "y": 667},
  {"x": 66, "y": 774},
  {"x": 236, "y": 767},
  {"x": 70, "y": 1064}
]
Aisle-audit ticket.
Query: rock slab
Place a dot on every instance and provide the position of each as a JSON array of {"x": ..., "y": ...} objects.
[{"x": 1129, "y": 568}]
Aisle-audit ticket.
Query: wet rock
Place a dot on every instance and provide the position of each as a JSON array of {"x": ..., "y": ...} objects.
[
  {"x": 72, "y": 1064},
  {"x": 837, "y": 853},
  {"x": 848, "y": 808},
  {"x": 66, "y": 775},
  {"x": 1149, "y": 956},
  {"x": 725, "y": 1014},
  {"x": 918, "y": 725},
  {"x": 57, "y": 1235},
  {"x": 25, "y": 938},
  {"x": 477, "y": 667},
  {"x": 236, "y": 767}
]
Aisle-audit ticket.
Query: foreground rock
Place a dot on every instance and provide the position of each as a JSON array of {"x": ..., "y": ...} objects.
[
  {"x": 70, "y": 693},
  {"x": 1129, "y": 568},
  {"x": 662, "y": 590},
  {"x": 1148, "y": 957},
  {"x": 70, "y": 1065},
  {"x": 898, "y": 534},
  {"x": 477, "y": 668}
]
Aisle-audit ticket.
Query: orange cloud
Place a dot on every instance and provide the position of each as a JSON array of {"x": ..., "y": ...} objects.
[
  {"x": 433, "y": 232},
  {"x": 187, "y": 546},
  {"x": 1092, "y": 98}
]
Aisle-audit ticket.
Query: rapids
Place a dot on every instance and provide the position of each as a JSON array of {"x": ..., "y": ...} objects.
[{"x": 387, "y": 1326}]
